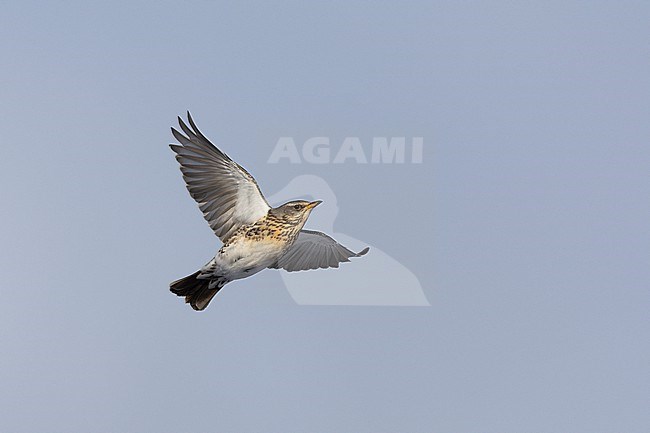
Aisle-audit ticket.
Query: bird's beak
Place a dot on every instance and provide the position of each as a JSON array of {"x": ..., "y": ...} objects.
[{"x": 313, "y": 204}]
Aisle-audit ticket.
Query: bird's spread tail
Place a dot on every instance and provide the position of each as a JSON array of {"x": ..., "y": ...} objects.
[{"x": 198, "y": 292}]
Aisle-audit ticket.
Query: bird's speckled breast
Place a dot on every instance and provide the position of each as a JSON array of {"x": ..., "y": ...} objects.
[
  {"x": 267, "y": 229},
  {"x": 254, "y": 247}
]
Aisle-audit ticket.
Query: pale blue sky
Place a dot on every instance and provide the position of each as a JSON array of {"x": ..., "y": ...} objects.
[{"x": 526, "y": 223}]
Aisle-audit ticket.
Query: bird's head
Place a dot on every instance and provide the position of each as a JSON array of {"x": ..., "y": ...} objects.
[{"x": 296, "y": 211}]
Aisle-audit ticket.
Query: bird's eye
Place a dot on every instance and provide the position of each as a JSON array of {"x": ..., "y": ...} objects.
[{"x": 297, "y": 207}]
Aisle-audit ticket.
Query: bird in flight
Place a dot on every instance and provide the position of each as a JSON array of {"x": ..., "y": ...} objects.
[{"x": 255, "y": 236}]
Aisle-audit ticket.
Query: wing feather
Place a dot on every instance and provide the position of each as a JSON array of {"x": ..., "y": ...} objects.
[
  {"x": 314, "y": 250},
  {"x": 226, "y": 193}
]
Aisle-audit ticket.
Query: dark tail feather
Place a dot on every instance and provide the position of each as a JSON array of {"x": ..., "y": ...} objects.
[{"x": 197, "y": 291}]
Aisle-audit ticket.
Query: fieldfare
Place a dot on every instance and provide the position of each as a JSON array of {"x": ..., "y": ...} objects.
[{"x": 255, "y": 236}]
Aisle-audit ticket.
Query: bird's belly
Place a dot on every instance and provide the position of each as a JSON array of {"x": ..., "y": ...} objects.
[{"x": 246, "y": 257}]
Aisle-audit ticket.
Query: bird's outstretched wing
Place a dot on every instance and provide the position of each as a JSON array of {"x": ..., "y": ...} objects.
[
  {"x": 314, "y": 250},
  {"x": 226, "y": 193}
]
